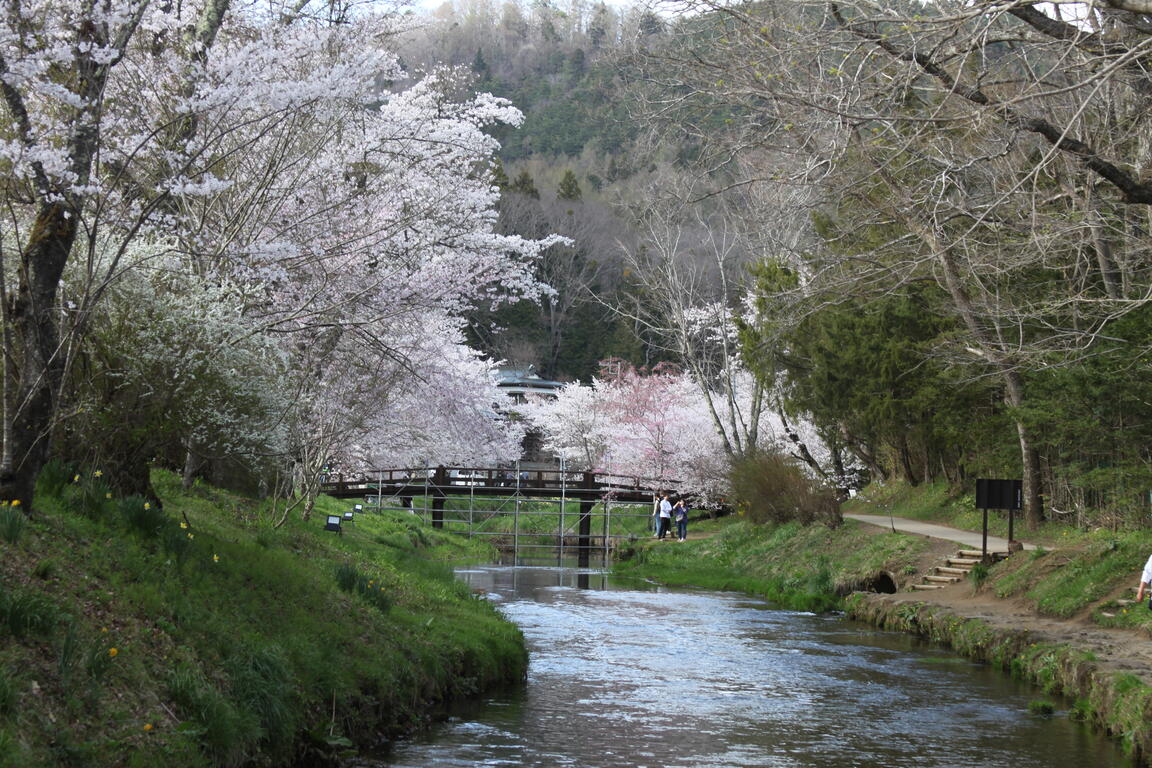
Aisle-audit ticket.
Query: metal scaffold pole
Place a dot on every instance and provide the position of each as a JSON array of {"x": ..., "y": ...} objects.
[
  {"x": 425, "y": 515},
  {"x": 563, "y": 498},
  {"x": 516, "y": 520},
  {"x": 607, "y": 527}
]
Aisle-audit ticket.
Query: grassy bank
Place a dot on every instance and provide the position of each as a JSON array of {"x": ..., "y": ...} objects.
[
  {"x": 794, "y": 566},
  {"x": 1073, "y": 573},
  {"x": 201, "y": 636},
  {"x": 941, "y": 504},
  {"x": 1120, "y": 703}
]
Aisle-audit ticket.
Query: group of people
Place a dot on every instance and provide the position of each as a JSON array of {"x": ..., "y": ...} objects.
[{"x": 664, "y": 512}]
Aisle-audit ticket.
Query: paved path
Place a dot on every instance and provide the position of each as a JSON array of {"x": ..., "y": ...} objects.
[{"x": 967, "y": 538}]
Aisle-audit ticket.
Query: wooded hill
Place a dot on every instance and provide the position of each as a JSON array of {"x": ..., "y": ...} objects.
[{"x": 950, "y": 278}]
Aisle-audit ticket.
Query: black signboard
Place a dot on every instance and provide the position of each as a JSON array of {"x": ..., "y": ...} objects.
[{"x": 999, "y": 494}]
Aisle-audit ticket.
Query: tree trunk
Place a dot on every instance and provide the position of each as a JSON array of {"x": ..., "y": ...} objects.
[
  {"x": 1032, "y": 484},
  {"x": 1013, "y": 382},
  {"x": 29, "y": 414},
  {"x": 193, "y": 463}
]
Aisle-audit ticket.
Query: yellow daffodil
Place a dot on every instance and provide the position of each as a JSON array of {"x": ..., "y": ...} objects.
[
  {"x": 147, "y": 505},
  {"x": 112, "y": 652},
  {"x": 108, "y": 495},
  {"x": 15, "y": 502},
  {"x": 147, "y": 727},
  {"x": 183, "y": 525},
  {"x": 215, "y": 558},
  {"x": 76, "y": 479},
  {"x": 191, "y": 536},
  {"x": 97, "y": 473}
]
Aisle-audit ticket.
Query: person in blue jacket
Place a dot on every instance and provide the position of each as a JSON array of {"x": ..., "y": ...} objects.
[{"x": 680, "y": 515}]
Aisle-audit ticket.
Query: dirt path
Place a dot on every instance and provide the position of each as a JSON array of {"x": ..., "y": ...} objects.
[{"x": 1126, "y": 650}]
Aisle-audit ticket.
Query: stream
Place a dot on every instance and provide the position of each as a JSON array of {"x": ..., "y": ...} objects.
[{"x": 642, "y": 677}]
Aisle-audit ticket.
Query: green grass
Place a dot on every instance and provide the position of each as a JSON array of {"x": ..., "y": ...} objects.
[
  {"x": 12, "y": 523},
  {"x": 940, "y": 504},
  {"x": 199, "y": 635},
  {"x": 1073, "y": 572},
  {"x": 795, "y": 566}
]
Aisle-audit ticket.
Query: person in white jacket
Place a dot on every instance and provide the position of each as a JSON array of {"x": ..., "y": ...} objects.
[
  {"x": 1145, "y": 580},
  {"x": 665, "y": 516}
]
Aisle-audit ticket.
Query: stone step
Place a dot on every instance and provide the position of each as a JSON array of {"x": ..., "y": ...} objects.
[
  {"x": 942, "y": 579},
  {"x": 927, "y": 586},
  {"x": 953, "y": 571}
]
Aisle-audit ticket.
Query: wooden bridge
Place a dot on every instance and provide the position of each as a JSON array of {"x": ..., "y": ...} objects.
[{"x": 429, "y": 491}]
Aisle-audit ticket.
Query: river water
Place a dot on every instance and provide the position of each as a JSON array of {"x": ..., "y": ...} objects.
[{"x": 639, "y": 677}]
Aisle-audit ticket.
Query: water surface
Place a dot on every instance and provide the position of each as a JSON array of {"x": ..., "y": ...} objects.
[{"x": 640, "y": 677}]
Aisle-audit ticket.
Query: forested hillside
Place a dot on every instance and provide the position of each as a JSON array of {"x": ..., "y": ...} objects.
[
  {"x": 570, "y": 168},
  {"x": 886, "y": 240},
  {"x": 945, "y": 283}
]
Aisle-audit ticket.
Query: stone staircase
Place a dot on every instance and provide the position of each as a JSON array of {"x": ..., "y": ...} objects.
[{"x": 956, "y": 568}]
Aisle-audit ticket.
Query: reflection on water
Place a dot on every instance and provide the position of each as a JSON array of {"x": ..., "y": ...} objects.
[{"x": 651, "y": 677}]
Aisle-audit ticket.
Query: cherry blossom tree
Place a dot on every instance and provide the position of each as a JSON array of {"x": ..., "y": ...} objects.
[
  {"x": 655, "y": 426},
  {"x": 247, "y": 146}
]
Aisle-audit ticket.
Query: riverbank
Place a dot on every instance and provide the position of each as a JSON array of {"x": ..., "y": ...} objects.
[
  {"x": 1103, "y": 672},
  {"x": 202, "y": 636},
  {"x": 794, "y": 566},
  {"x": 1061, "y": 618}
]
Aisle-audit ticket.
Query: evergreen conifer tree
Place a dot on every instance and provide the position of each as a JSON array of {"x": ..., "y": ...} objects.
[
  {"x": 499, "y": 177},
  {"x": 569, "y": 188},
  {"x": 525, "y": 186}
]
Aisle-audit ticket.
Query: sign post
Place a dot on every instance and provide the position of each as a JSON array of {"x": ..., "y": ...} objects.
[{"x": 998, "y": 494}]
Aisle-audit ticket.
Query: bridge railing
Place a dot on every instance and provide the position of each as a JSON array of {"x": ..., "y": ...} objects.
[{"x": 447, "y": 479}]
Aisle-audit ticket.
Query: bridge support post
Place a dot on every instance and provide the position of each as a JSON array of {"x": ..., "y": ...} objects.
[
  {"x": 439, "y": 483},
  {"x": 587, "y": 502}
]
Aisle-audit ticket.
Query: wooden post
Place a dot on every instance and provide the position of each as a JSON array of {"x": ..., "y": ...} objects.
[{"x": 587, "y": 502}]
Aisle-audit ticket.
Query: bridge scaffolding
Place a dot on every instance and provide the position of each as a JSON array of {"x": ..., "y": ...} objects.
[{"x": 514, "y": 506}]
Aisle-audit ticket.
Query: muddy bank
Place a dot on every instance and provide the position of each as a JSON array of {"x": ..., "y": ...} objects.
[{"x": 1106, "y": 691}]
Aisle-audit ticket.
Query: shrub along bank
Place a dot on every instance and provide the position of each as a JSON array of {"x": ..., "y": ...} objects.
[{"x": 201, "y": 636}]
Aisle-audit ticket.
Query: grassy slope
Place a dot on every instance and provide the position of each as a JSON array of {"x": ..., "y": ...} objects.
[
  {"x": 792, "y": 565},
  {"x": 1074, "y": 571},
  {"x": 125, "y": 641}
]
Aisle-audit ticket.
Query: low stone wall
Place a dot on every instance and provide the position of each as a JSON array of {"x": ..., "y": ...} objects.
[{"x": 1120, "y": 703}]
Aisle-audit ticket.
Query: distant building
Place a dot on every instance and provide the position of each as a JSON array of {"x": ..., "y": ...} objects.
[{"x": 523, "y": 385}]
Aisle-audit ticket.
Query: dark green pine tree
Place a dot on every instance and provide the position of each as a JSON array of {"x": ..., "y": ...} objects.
[
  {"x": 499, "y": 177},
  {"x": 569, "y": 188},
  {"x": 525, "y": 186},
  {"x": 479, "y": 65}
]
